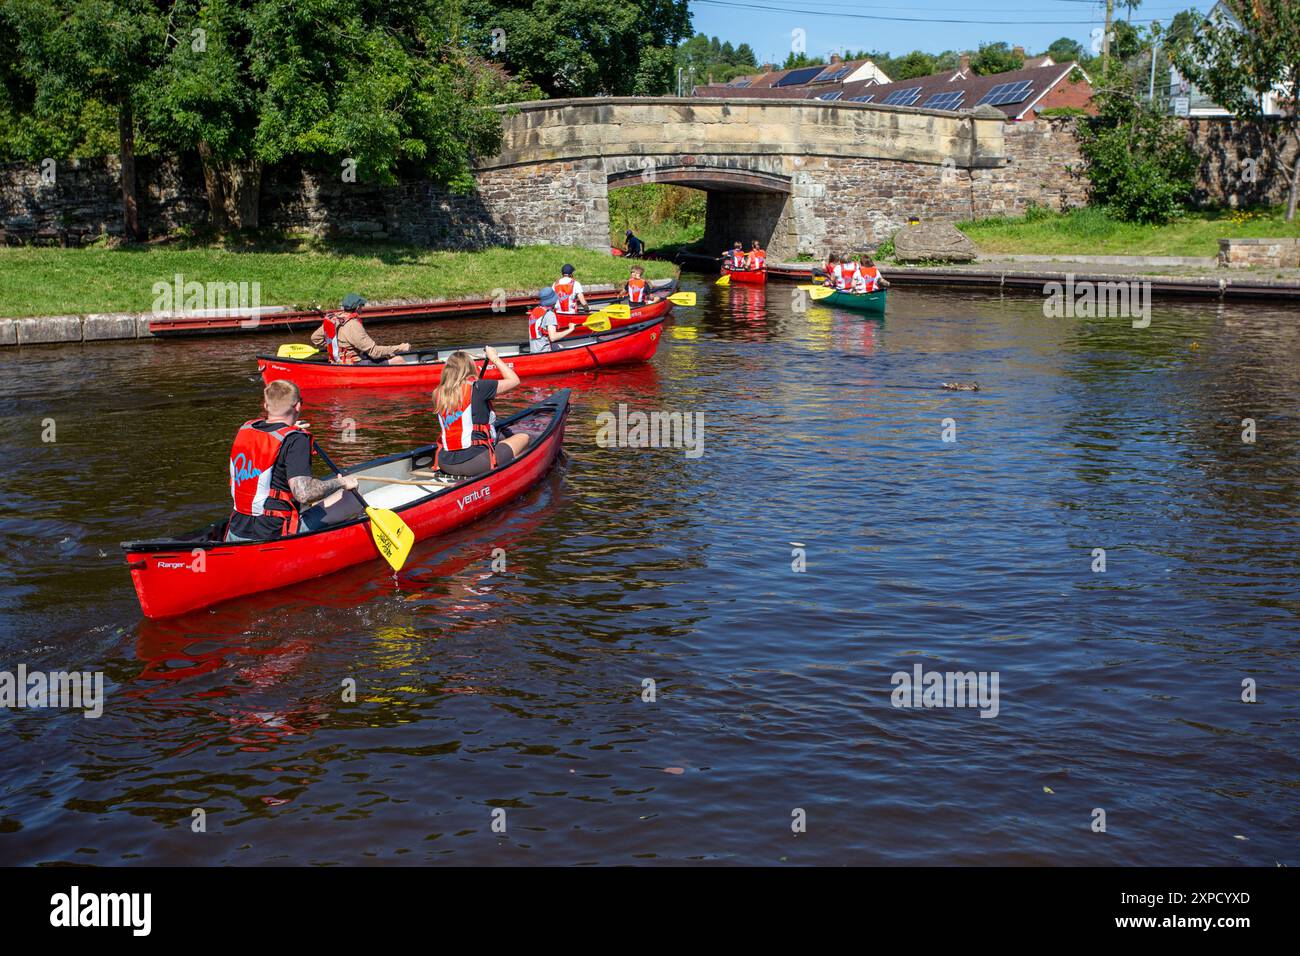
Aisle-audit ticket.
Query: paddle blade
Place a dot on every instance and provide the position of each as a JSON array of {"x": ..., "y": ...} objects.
[
  {"x": 598, "y": 322},
  {"x": 616, "y": 310},
  {"x": 725, "y": 280},
  {"x": 682, "y": 298},
  {"x": 809, "y": 288},
  {"x": 392, "y": 536},
  {"x": 296, "y": 351},
  {"x": 820, "y": 293}
]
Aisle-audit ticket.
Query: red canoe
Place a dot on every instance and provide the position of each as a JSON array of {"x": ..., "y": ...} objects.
[
  {"x": 622, "y": 346},
  {"x": 638, "y": 313},
  {"x": 750, "y": 276},
  {"x": 173, "y": 576}
]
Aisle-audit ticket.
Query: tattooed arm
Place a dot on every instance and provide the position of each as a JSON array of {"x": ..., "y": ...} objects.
[{"x": 308, "y": 489}]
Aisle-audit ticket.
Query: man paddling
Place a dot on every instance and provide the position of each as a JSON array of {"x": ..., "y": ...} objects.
[
  {"x": 346, "y": 341},
  {"x": 270, "y": 474}
]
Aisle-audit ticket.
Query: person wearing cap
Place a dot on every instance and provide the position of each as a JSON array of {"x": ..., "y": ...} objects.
[
  {"x": 346, "y": 341},
  {"x": 543, "y": 327},
  {"x": 568, "y": 291},
  {"x": 633, "y": 246}
]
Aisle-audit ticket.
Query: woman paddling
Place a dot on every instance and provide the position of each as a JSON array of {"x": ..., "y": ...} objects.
[{"x": 469, "y": 445}]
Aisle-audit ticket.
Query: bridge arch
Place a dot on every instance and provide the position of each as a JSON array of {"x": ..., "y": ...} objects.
[{"x": 801, "y": 176}]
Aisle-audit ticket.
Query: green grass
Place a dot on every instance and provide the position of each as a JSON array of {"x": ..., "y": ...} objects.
[
  {"x": 664, "y": 216},
  {"x": 302, "y": 274},
  {"x": 1092, "y": 232}
]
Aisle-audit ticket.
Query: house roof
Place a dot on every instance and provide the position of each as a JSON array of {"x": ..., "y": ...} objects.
[{"x": 1014, "y": 92}]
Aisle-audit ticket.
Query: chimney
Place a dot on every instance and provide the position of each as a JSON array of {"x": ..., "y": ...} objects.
[
  {"x": 767, "y": 67},
  {"x": 836, "y": 58},
  {"x": 1018, "y": 51},
  {"x": 965, "y": 63}
]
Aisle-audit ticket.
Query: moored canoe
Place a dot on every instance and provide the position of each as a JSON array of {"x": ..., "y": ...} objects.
[
  {"x": 176, "y": 575},
  {"x": 621, "y": 346}
]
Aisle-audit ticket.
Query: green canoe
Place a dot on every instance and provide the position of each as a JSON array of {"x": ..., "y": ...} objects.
[{"x": 858, "y": 302}]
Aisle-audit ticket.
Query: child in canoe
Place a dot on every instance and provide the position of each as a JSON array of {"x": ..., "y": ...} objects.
[
  {"x": 469, "y": 444},
  {"x": 636, "y": 290}
]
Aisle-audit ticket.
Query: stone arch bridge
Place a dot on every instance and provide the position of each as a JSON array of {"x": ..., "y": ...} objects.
[{"x": 800, "y": 176}]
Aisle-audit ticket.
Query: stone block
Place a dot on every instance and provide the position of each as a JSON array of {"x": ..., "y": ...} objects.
[
  {"x": 100, "y": 326},
  {"x": 933, "y": 240},
  {"x": 8, "y": 332},
  {"x": 54, "y": 328}
]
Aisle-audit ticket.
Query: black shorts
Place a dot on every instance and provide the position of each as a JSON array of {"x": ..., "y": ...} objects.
[{"x": 481, "y": 463}]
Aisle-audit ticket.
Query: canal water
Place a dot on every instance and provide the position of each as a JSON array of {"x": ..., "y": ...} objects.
[{"x": 771, "y": 583}]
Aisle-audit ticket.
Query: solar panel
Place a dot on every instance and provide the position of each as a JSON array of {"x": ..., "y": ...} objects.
[
  {"x": 1005, "y": 93},
  {"x": 834, "y": 95},
  {"x": 862, "y": 99},
  {"x": 830, "y": 77},
  {"x": 745, "y": 81},
  {"x": 798, "y": 77},
  {"x": 903, "y": 97},
  {"x": 945, "y": 101}
]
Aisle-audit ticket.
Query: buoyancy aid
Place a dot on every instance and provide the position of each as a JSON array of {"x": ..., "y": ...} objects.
[
  {"x": 568, "y": 298},
  {"x": 757, "y": 259},
  {"x": 870, "y": 279},
  {"x": 636, "y": 291},
  {"x": 333, "y": 325},
  {"x": 844, "y": 273},
  {"x": 253, "y": 457},
  {"x": 460, "y": 431}
]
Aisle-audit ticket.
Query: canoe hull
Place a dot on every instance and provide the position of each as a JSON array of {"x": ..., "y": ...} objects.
[
  {"x": 865, "y": 302},
  {"x": 622, "y": 346},
  {"x": 748, "y": 277},
  {"x": 173, "y": 577}
]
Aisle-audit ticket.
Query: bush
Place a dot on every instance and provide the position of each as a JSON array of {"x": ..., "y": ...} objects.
[{"x": 1139, "y": 163}]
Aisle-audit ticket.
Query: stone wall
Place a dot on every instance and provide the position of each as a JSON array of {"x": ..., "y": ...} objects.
[
  {"x": 1044, "y": 167},
  {"x": 1237, "y": 168},
  {"x": 85, "y": 199}
]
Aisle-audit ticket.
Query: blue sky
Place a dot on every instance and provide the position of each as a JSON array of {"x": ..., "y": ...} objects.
[{"x": 1033, "y": 24}]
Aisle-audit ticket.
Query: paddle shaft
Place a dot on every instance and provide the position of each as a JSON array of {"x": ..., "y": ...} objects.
[{"x": 334, "y": 468}]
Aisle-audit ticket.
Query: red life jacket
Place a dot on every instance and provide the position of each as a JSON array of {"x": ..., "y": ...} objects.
[
  {"x": 333, "y": 325},
  {"x": 568, "y": 299},
  {"x": 757, "y": 259},
  {"x": 636, "y": 290},
  {"x": 460, "y": 431},
  {"x": 536, "y": 328},
  {"x": 253, "y": 457},
  {"x": 843, "y": 275},
  {"x": 872, "y": 275}
]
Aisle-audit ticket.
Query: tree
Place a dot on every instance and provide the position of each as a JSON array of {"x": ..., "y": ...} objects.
[
  {"x": 583, "y": 47},
  {"x": 795, "y": 60},
  {"x": 1182, "y": 26},
  {"x": 745, "y": 56},
  {"x": 74, "y": 51},
  {"x": 1065, "y": 50},
  {"x": 1237, "y": 62},
  {"x": 1127, "y": 42},
  {"x": 911, "y": 65},
  {"x": 1139, "y": 163},
  {"x": 995, "y": 58}
]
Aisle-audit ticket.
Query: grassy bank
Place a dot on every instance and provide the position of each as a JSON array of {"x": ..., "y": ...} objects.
[
  {"x": 1092, "y": 232},
  {"x": 40, "y": 281},
  {"x": 663, "y": 216}
]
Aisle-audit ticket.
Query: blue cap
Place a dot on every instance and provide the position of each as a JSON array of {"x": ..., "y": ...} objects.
[{"x": 547, "y": 297}]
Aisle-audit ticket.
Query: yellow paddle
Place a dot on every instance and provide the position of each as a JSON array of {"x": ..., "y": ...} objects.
[
  {"x": 682, "y": 298},
  {"x": 616, "y": 310},
  {"x": 598, "y": 322},
  {"x": 392, "y": 536},
  {"x": 725, "y": 280},
  {"x": 296, "y": 351},
  {"x": 818, "y": 292}
]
